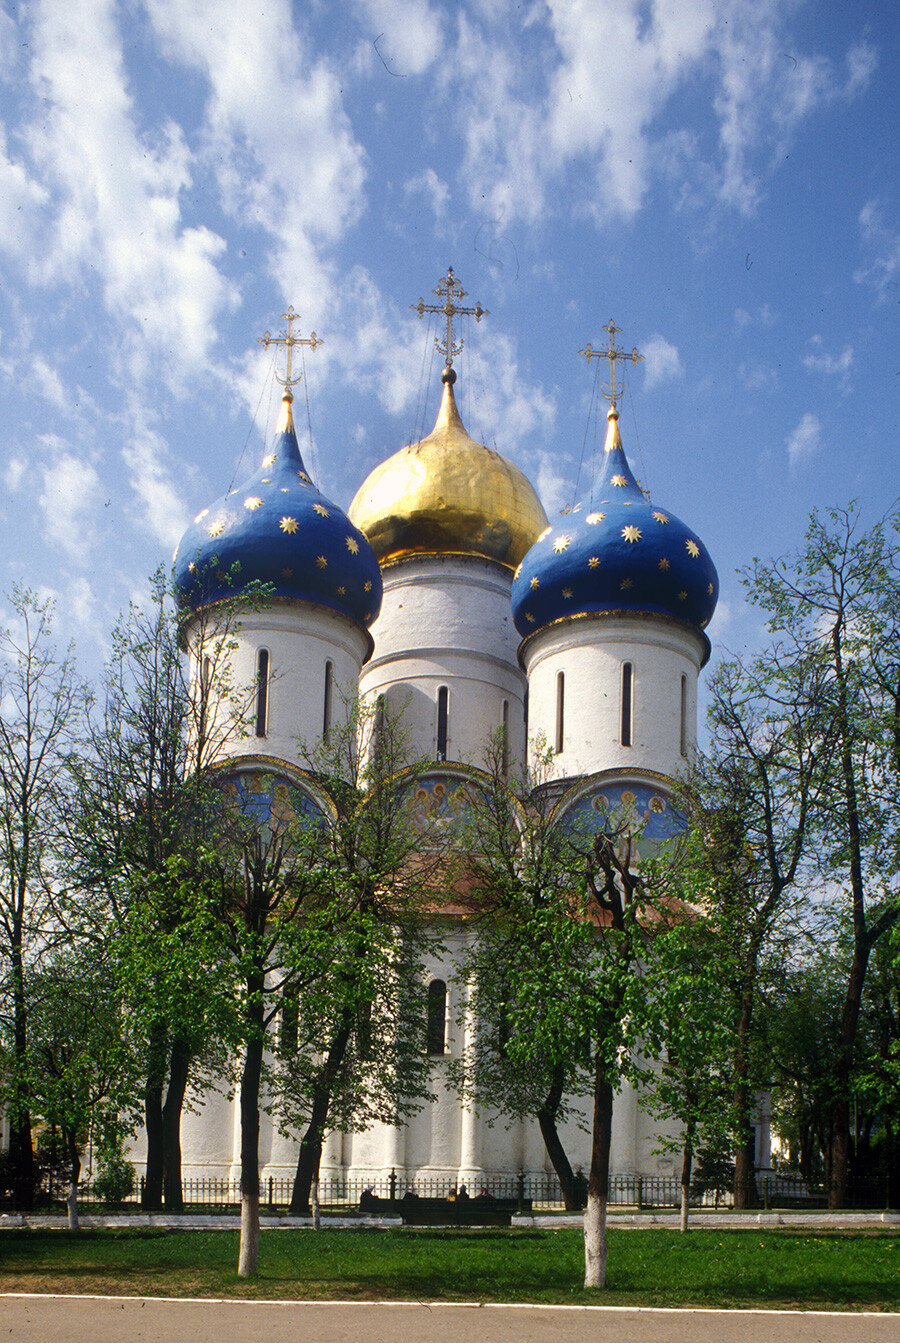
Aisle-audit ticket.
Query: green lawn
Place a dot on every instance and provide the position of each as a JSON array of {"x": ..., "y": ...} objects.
[{"x": 654, "y": 1267}]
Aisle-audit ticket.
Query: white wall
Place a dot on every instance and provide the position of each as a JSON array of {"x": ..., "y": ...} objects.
[{"x": 590, "y": 652}]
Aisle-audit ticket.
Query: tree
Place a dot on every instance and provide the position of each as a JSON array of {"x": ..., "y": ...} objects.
[
  {"x": 749, "y": 807},
  {"x": 143, "y": 797},
  {"x": 835, "y": 603},
  {"x": 81, "y": 1068},
  {"x": 357, "y": 1053},
  {"x": 41, "y": 722}
]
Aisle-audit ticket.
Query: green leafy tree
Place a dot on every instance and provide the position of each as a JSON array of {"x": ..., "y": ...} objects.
[
  {"x": 835, "y": 603},
  {"x": 42, "y": 706}
]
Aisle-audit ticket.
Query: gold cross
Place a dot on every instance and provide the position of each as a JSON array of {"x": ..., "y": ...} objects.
[
  {"x": 289, "y": 341},
  {"x": 612, "y": 392},
  {"x": 450, "y": 290}
]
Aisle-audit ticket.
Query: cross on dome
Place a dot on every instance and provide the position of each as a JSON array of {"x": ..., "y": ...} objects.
[
  {"x": 450, "y": 290},
  {"x": 612, "y": 392},
  {"x": 289, "y": 341}
]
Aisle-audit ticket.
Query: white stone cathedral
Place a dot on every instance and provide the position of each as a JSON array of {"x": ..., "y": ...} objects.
[{"x": 446, "y": 592}]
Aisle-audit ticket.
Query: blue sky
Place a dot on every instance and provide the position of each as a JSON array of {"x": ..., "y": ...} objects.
[{"x": 719, "y": 176}]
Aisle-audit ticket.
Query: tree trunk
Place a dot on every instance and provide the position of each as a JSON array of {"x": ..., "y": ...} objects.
[
  {"x": 21, "y": 1147},
  {"x": 179, "y": 1064},
  {"x": 555, "y": 1150},
  {"x": 71, "y": 1142},
  {"x": 741, "y": 1103},
  {"x": 151, "y": 1200},
  {"x": 687, "y": 1162},
  {"x": 248, "y": 1257},
  {"x": 598, "y": 1183},
  {"x": 839, "y": 1141},
  {"x": 310, "y": 1155}
]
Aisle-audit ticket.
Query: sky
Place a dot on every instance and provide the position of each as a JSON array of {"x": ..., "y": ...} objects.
[{"x": 719, "y": 177}]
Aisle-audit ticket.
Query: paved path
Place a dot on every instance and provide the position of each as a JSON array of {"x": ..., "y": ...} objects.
[{"x": 80, "y": 1319}]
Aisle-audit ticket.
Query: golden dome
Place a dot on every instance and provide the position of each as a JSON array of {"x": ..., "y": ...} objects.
[{"x": 448, "y": 494}]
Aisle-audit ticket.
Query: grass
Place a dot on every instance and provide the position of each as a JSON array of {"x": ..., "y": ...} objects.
[{"x": 775, "y": 1269}]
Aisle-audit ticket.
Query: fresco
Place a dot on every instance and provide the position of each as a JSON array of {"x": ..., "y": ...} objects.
[
  {"x": 645, "y": 811},
  {"x": 270, "y": 799}
]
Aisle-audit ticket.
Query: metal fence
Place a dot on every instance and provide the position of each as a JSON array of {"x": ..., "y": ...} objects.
[{"x": 542, "y": 1192}]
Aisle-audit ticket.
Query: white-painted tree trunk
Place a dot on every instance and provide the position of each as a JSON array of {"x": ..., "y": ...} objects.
[
  {"x": 316, "y": 1211},
  {"x": 685, "y": 1206},
  {"x": 595, "y": 1242},
  {"x": 72, "y": 1205},
  {"x": 248, "y": 1256}
]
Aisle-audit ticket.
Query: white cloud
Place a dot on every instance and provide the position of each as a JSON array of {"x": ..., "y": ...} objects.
[
  {"x": 762, "y": 316},
  {"x": 160, "y": 507},
  {"x": 883, "y": 246},
  {"x": 114, "y": 209},
  {"x": 805, "y": 441},
  {"x": 20, "y": 201},
  {"x": 435, "y": 191},
  {"x": 408, "y": 34},
  {"x": 15, "y": 470},
  {"x": 70, "y": 492},
  {"x": 298, "y": 174},
  {"x": 831, "y": 365},
  {"x": 662, "y": 361},
  {"x": 554, "y": 490}
]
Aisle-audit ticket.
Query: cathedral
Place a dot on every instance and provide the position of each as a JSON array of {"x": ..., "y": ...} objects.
[{"x": 446, "y": 594}]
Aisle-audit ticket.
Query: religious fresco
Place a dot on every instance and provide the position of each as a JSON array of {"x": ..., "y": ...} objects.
[
  {"x": 270, "y": 800},
  {"x": 440, "y": 802},
  {"x": 644, "y": 811}
]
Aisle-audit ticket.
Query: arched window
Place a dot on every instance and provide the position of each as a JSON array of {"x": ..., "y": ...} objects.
[
  {"x": 559, "y": 736},
  {"x": 262, "y": 691},
  {"x": 437, "y": 1017},
  {"x": 625, "y": 735},
  {"x": 683, "y": 732},
  {"x": 443, "y": 720},
  {"x": 329, "y": 692}
]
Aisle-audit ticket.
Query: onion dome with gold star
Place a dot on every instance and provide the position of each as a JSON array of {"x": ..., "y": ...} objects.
[
  {"x": 621, "y": 553},
  {"x": 278, "y": 530}
]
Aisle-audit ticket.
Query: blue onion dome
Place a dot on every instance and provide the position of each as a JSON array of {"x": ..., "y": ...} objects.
[
  {"x": 620, "y": 554},
  {"x": 277, "y": 529}
]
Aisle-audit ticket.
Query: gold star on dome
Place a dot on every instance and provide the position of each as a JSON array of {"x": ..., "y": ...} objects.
[
  {"x": 626, "y": 583},
  {"x": 254, "y": 501},
  {"x": 287, "y": 573},
  {"x": 304, "y": 477},
  {"x": 266, "y": 480},
  {"x": 692, "y": 548},
  {"x": 594, "y": 562},
  {"x": 567, "y": 592},
  {"x": 709, "y": 589},
  {"x": 534, "y": 584},
  {"x": 285, "y": 490},
  {"x": 593, "y": 518},
  {"x": 288, "y": 525},
  {"x": 321, "y": 510},
  {"x": 192, "y": 568},
  {"x": 660, "y": 517},
  {"x": 631, "y": 534},
  {"x": 367, "y": 616},
  {"x": 529, "y": 617},
  {"x": 342, "y": 592},
  {"x": 201, "y": 515},
  {"x": 270, "y": 460},
  {"x": 367, "y": 586},
  {"x": 682, "y": 596},
  {"x": 664, "y": 565},
  {"x": 221, "y": 576},
  {"x": 561, "y": 543},
  {"x": 217, "y": 528},
  {"x": 321, "y": 562},
  {"x": 545, "y": 532},
  {"x": 618, "y": 480},
  {"x": 352, "y": 545}
]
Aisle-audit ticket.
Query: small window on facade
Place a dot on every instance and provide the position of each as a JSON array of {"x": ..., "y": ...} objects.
[
  {"x": 329, "y": 692},
  {"x": 504, "y": 727},
  {"x": 443, "y": 714},
  {"x": 262, "y": 691},
  {"x": 559, "y": 736},
  {"x": 437, "y": 1017},
  {"x": 683, "y": 734},
  {"x": 627, "y": 707}
]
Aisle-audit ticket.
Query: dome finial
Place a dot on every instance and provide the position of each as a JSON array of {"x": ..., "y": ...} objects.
[
  {"x": 289, "y": 340},
  {"x": 450, "y": 290},
  {"x": 612, "y": 392}
]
